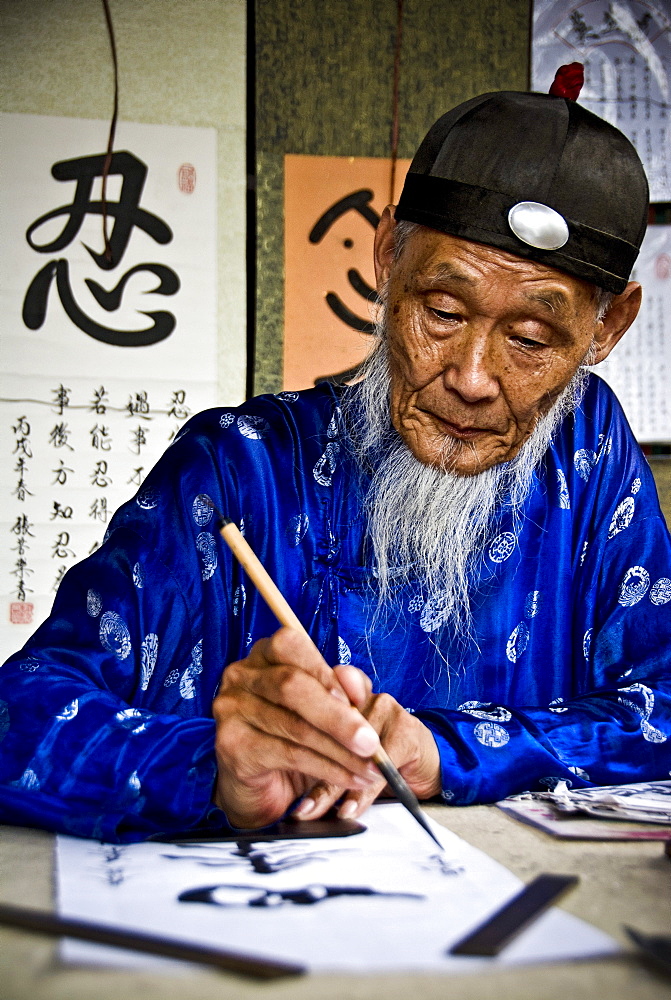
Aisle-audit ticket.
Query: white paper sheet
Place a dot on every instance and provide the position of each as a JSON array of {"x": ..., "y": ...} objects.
[
  {"x": 644, "y": 801},
  {"x": 578, "y": 826},
  {"x": 82, "y": 419},
  {"x": 625, "y": 47},
  {"x": 424, "y": 900},
  {"x": 639, "y": 368}
]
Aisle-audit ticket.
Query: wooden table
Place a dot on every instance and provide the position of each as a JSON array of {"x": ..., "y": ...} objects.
[{"x": 621, "y": 883}]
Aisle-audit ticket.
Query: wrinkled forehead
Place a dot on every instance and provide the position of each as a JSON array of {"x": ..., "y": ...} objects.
[{"x": 431, "y": 258}]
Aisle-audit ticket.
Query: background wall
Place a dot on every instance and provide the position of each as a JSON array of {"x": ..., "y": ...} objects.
[
  {"x": 181, "y": 62},
  {"x": 324, "y": 87}
]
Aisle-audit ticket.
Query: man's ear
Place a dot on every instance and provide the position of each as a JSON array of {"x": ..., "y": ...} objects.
[
  {"x": 384, "y": 247},
  {"x": 621, "y": 314}
]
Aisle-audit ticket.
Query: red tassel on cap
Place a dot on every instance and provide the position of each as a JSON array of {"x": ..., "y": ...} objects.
[{"x": 568, "y": 81}]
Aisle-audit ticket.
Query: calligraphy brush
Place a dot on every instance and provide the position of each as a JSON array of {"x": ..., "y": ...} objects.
[{"x": 280, "y": 607}]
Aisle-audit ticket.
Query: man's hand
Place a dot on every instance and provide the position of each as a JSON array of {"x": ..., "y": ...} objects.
[
  {"x": 284, "y": 725},
  {"x": 409, "y": 743}
]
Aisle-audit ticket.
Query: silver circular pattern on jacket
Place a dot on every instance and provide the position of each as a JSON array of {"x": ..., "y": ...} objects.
[{"x": 538, "y": 225}]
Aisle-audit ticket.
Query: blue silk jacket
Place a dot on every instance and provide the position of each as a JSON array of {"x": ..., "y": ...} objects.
[{"x": 106, "y": 727}]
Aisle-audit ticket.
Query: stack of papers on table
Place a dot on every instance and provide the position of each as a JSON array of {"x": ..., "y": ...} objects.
[
  {"x": 640, "y": 811},
  {"x": 644, "y": 802}
]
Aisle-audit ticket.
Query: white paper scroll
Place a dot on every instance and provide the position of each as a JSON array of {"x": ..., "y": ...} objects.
[
  {"x": 625, "y": 47},
  {"x": 639, "y": 367},
  {"x": 384, "y": 900},
  {"x": 100, "y": 365}
]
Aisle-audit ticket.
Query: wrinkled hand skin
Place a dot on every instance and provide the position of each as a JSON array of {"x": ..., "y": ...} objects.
[
  {"x": 409, "y": 743},
  {"x": 287, "y": 726}
]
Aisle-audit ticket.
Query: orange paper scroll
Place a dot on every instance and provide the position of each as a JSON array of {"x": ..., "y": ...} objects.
[{"x": 332, "y": 207}]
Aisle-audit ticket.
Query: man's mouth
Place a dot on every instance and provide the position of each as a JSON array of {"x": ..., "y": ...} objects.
[{"x": 464, "y": 432}]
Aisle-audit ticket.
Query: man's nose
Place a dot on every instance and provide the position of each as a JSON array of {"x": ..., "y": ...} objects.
[{"x": 470, "y": 370}]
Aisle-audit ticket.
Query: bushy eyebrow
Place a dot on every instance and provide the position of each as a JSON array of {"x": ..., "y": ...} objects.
[
  {"x": 555, "y": 301},
  {"x": 446, "y": 272}
]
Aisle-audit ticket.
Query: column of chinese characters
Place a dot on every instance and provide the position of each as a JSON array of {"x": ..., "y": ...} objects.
[
  {"x": 83, "y": 484},
  {"x": 101, "y": 441},
  {"x": 60, "y": 439},
  {"x": 663, "y": 143},
  {"x": 98, "y": 510},
  {"x": 661, "y": 322},
  {"x": 138, "y": 406},
  {"x": 21, "y": 611},
  {"x": 179, "y": 410},
  {"x": 633, "y": 100},
  {"x": 59, "y": 436},
  {"x": 647, "y": 113},
  {"x": 619, "y": 97},
  {"x": 61, "y": 549}
]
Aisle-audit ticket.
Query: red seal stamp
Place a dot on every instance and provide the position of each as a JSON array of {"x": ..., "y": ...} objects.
[
  {"x": 21, "y": 613},
  {"x": 186, "y": 178}
]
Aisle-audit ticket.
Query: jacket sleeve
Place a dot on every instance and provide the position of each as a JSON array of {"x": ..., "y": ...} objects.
[
  {"x": 106, "y": 726},
  {"x": 81, "y": 753},
  {"x": 616, "y": 727}
]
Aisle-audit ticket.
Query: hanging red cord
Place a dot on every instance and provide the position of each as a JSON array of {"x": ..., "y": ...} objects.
[
  {"x": 112, "y": 131},
  {"x": 394, "y": 104}
]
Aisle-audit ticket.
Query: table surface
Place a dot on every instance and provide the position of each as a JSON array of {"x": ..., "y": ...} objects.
[{"x": 620, "y": 883}]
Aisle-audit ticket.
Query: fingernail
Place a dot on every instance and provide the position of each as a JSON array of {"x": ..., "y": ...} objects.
[
  {"x": 305, "y": 808},
  {"x": 340, "y": 695},
  {"x": 365, "y": 741},
  {"x": 348, "y": 809}
]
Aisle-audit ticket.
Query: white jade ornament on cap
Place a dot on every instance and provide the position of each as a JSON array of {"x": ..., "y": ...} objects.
[{"x": 538, "y": 225}]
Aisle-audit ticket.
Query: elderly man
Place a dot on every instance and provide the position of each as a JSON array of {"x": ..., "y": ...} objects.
[{"x": 469, "y": 532}]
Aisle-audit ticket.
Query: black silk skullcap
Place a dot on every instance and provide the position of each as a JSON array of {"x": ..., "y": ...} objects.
[{"x": 538, "y": 176}]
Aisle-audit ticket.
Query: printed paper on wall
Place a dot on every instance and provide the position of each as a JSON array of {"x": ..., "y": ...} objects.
[
  {"x": 332, "y": 206},
  {"x": 105, "y": 350}
]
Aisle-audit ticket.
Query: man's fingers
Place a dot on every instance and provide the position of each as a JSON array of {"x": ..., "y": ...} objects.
[
  {"x": 304, "y": 695},
  {"x": 251, "y": 754},
  {"x": 322, "y": 797},
  {"x": 355, "y": 683},
  {"x": 250, "y": 717},
  {"x": 287, "y": 645},
  {"x": 355, "y": 803},
  {"x": 410, "y": 744},
  {"x": 318, "y": 801}
]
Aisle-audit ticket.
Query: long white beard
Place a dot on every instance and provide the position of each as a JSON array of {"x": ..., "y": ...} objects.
[{"x": 428, "y": 524}]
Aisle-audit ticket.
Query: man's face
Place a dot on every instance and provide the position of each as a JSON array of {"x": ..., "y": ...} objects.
[{"x": 481, "y": 343}]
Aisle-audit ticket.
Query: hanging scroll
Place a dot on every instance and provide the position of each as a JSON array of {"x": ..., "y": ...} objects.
[
  {"x": 332, "y": 205},
  {"x": 639, "y": 367},
  {"x": 625, "y": 47},
  {"x": 105, "y": 351}
]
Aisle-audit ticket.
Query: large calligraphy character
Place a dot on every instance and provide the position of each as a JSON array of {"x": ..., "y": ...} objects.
[
  {"x": 127, "y": 214},
  {"x": 358, "y": 201}
]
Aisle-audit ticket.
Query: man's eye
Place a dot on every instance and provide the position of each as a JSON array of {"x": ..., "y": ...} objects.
[
  {"x": 449, "y": 316},
  {"x": 532, "y": 345}
]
